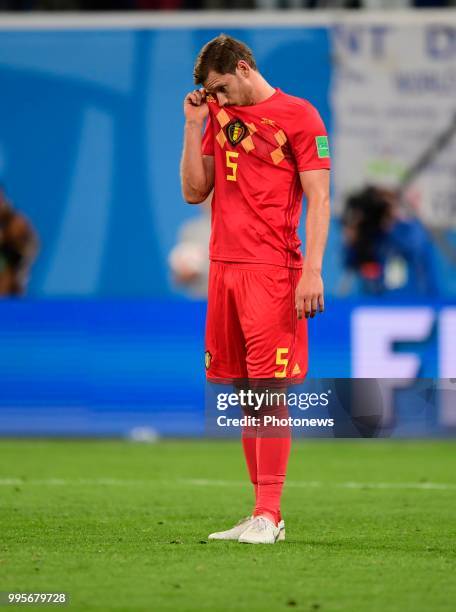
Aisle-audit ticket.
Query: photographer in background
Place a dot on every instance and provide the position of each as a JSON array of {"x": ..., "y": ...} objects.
[
  {"x": 387, "y": 249},
  {"x": 18, "y": 249}
]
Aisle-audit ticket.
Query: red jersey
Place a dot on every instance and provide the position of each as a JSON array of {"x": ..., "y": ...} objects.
[{"x": 259, "y": 151}]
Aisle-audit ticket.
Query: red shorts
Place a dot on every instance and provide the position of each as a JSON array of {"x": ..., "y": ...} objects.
[{"x": 252, "y": 330}]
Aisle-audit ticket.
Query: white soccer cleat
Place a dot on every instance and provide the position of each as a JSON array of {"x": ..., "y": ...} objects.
[
  {"x": 263, "y": 531},
  {"x": 234, "y": 532}
]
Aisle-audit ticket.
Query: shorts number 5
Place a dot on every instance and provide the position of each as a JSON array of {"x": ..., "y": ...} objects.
[{"x": 281, "y": 360}]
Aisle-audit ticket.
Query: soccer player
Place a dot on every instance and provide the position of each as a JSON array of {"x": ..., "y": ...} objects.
[{"x": 260, "y": 149}]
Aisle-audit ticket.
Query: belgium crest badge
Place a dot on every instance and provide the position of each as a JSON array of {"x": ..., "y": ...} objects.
[{"x": 236, "y": 130}]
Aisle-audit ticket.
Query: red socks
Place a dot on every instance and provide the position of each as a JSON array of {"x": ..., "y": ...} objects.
[
  {"x": 272, "y": 459},
  {"x": 266, "y": 450},
  {"x": 249, "y": 445}
]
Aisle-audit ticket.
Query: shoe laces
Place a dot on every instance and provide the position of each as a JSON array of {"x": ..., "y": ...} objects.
[
  {"x": 244, "y": 520},
  {"x": 261, "y": 524}
]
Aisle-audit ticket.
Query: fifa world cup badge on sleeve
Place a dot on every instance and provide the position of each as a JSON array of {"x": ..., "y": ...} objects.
[{"x": 322, "y": 146}]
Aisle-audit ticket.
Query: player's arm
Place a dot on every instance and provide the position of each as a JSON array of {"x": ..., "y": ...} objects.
[
  {"x": 197, "y": 170},
  {"x": 309, "y": 292}
]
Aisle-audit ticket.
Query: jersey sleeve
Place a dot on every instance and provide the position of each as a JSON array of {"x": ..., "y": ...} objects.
[
  {"x": 207, "y": 145},
  {"x": 309, "y": 140}
]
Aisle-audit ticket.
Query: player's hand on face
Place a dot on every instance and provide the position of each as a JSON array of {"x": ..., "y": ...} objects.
[
  {"x": 195, "y": 106},
  {"x": 309, "y": 294}
]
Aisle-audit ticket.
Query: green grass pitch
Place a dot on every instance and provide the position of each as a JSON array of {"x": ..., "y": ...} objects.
[{"x": 123, "y": 526}]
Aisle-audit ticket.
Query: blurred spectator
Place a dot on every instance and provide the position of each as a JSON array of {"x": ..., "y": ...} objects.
[
  {"x": 104, "y": 5},
  {"x": 222, "y": 5},
  {"x": 162, "y": 5},
  {"x": 189, "y": 259},
  {"x": 18, "y": 249},
  {"x": 385, "y": 248}
]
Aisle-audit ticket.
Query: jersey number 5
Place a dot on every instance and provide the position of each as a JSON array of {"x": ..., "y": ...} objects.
[{"x": 232, "y": 165}]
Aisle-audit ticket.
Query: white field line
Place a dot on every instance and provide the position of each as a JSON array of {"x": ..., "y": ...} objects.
[
  {"x": 202, "y": 482},
  {"x": 339, "y": 485}
]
